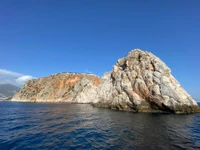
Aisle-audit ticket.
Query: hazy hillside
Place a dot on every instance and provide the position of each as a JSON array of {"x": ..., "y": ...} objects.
[{"x": 8, "y": 90}]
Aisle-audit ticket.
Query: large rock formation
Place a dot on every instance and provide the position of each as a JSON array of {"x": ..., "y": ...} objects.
[
  {"x": 140, "y": 82},
  {"x": 63, "y": 87}
]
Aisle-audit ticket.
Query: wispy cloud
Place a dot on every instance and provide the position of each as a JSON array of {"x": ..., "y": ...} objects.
[
  {"x": 87, "y": 71},
  {"x": 21, "y": 80},
  {"x": 10, "y": 73},
  {"x": 15, "y": 78}
]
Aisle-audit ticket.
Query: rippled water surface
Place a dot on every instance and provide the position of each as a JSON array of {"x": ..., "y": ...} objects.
[{"x": 81, "y": 126}]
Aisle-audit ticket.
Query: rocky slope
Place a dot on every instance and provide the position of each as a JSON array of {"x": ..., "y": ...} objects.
[
  {"x": 140, "y": 82},
  {"x": 64, "y": 87}
]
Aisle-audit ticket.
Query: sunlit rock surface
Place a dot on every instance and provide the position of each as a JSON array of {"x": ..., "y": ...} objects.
[
  {"x": 141, "y": 82},
  {"x": 63, "y": 87}
]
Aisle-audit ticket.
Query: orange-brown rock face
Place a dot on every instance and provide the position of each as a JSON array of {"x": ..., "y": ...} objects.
[{"x": 64, "y": 87}]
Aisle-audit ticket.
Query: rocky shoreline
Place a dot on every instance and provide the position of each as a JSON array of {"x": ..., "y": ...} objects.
[
  {"x": 156, "y": 109},
  {"x": 139, "y": 82}
]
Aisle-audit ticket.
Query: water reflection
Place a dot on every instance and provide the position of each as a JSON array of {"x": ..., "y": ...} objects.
[{"x": 76, "y": 126}]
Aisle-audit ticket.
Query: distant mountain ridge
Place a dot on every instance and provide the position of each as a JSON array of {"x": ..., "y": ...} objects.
[{"x": 8, "y": 90}]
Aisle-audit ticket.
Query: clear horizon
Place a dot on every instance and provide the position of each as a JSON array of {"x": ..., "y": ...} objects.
[{"x": 40, "y": 38}]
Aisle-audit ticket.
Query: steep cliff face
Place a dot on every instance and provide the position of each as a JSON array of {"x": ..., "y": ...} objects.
[
  {"x": 64, "y": 87},
  {"x": 141, "y": 82}
]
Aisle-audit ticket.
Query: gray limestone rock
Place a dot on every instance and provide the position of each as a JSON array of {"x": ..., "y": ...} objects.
[{"x": 141, "y": 82}]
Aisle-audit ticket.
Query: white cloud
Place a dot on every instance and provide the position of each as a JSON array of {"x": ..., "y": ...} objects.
[
  {"x": 15, "y": 78},
  {"x": 87, "y": 71},
  {"x": 9, "y": 73},
  {"x": 23, "y": 79}
]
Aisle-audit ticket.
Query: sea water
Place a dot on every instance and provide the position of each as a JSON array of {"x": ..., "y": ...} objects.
[{"x": 82, "y": 126}]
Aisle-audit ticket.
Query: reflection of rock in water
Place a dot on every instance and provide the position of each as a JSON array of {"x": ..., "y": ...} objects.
[{"x": 77, "y": 126}]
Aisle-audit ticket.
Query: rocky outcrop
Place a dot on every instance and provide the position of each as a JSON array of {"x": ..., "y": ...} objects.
[
  {"x": 140, "y": 82},
  {"x": 64, "y": 87}
]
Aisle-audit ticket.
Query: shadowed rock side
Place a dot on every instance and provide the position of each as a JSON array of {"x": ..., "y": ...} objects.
[
  {"x": 141, "y": 82},
  {"x": 64, "y": 87}
]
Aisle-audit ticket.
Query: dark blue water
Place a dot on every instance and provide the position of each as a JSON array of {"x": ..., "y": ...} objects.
[{"x": 80, "y": 126}]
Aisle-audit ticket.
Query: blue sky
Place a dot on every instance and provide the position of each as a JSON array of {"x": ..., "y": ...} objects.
[{"x": 42, "y": 37}]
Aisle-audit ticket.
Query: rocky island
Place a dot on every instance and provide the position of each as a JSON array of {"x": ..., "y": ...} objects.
[{"x": 139, "y": 82}]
